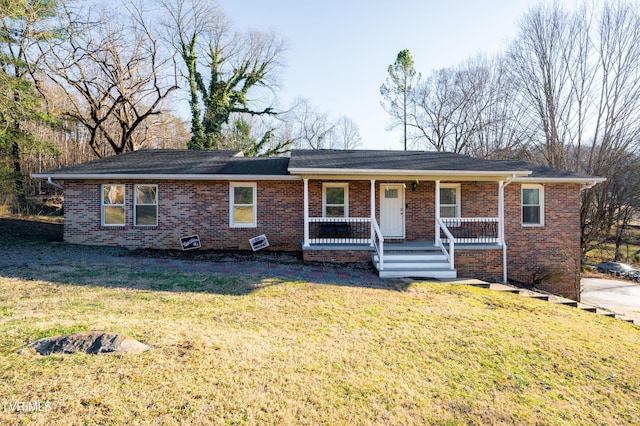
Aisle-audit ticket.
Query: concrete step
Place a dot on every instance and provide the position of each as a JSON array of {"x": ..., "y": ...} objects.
[
  {"x": 563, "y": 301},
  {"x": 411, "y": 256},
  {"x": 504, "y": 288},
  {"x": 430, "y": 264},
  {"x": 605, "y": 312},
  {"x": 534, "y": 295},
  {"x": 417, "y": 273},
  {"x": 587, "y": 308}
]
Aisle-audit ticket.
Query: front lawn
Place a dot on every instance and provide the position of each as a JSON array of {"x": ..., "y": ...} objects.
[{"x": 243, "y": 351}]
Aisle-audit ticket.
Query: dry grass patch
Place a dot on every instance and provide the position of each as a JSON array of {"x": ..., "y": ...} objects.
[{"x": 236, "y": 351}]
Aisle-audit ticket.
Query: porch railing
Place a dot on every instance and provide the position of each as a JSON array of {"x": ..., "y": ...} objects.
[
  {"x": 449, "y": 254},
  {"x": 465, "y": 230},
  {"x": 342, "y": 230},
  {"x": 472, "y": 230},
  {"x": 377, "y": 241}
]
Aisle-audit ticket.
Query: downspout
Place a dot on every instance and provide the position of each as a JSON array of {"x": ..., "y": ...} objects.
[
  {"x": 306, "y": 213},
  {"x": 503, "y": 184},
  {"x": 373, "y": 208},
  {"x": 54, "y": 184},
  {"x": 438, "y": 243}
]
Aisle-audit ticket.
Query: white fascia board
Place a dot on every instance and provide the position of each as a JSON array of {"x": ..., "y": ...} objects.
[
  {"x": 391, "y": 172},
  {"x": 89, "y": 176}
]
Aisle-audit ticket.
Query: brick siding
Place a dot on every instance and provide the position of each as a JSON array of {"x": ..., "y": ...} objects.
[
  {"x": 201, "y": 208},
  {"x": 551, "y": 251},
  {"x": 187, "y": 208}
]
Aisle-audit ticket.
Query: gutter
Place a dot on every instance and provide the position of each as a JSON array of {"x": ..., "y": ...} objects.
[
  {"x": 591, "y": 184},
  {"x": 582, "y": 181},
  {"x": 54, "y": 184},
  {"x": 388, "y": 172},
  {"x": 134, "y": 176}
]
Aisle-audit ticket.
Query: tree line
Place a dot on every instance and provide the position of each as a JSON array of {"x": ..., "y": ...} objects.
[
  {"x": 565, "y": 93},
  {"x": 83, "y": 81}
]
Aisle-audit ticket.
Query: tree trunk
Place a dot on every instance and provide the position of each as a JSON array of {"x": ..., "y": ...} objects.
[{"x": 18, "y": 179}]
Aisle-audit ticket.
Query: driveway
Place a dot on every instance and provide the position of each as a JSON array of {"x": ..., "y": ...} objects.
[{"x": 611, "y": 294}]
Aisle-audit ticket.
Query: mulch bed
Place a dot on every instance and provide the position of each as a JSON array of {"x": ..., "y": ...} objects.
[{"x": 18, "y": 229}]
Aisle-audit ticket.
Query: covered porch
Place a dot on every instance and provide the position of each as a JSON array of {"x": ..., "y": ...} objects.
[{"x": 414, "y": 227}]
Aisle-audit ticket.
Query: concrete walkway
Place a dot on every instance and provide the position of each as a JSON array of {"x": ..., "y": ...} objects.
[{"x": 616, "y": 295}]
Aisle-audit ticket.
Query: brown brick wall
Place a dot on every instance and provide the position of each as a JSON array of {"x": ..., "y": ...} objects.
[
  {"x": 187, "y": 208},
  {"x": 552, "y": 250},
  {"x": 202, "y": 208},
  {"x": 481, "y": 264}
]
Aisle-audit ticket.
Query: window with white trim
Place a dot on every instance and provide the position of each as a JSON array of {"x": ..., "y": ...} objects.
[
  {"x": 449, "y": 200},
  {"x": 335, "y": 200},
  {"x": 113, "y": 203},
  {"x": 242, "y": 205},
  {"x": 146, "y": 205},
  {"x": 532, "y": 205}
]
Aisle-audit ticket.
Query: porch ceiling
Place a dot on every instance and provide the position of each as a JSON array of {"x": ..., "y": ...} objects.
[{"x": 410, "y": 175}]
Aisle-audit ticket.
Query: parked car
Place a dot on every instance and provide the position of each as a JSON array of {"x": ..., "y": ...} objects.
[
  {"x": 634, "y": 275},
  {"x": 618, "y": 269}
]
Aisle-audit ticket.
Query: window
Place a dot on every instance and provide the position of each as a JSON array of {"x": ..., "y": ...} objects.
[
  {"x": 335, "y": 198},
  {"x": 146, "y": 205},
  {"x": 532, "y": 205},
  {"x": 242, "y": 210},
  {"x": 450, "y": 200},
  {"x": 113, "y": 205}
]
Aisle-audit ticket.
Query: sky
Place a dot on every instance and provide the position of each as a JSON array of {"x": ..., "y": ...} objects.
[{"x": 339, "y": 50}]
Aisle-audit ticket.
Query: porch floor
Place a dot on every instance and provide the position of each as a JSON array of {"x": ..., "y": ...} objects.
[
  {"x": 409, "y": 258},
  {"x": 400, "y": 245}
]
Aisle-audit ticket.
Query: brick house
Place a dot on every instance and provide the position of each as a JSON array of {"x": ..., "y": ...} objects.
[{"x": 413, "y": 213}]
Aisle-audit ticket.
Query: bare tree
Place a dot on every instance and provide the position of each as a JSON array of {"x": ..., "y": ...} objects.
[
  {"x": 580, "y": 76},
  {"x": 310, "y": 129},
  {"x": 494, "y": 127},
  {"x": 346, "y": 134},
  {"x": 439, "y": 109},
  {"x": 114, "y": 73},
  {"x": 239, "y": 65}
]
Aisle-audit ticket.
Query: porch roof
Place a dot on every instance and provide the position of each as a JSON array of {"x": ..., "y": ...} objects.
[{"x": 422, "y": 164}]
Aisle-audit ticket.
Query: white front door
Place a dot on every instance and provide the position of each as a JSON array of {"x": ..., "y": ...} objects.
[{"x": 392, "y": 210}]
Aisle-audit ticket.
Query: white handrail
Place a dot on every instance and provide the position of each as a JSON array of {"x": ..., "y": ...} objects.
[
  {"x": 378, "y": 243},
  {"x": 451, "y": 254}
]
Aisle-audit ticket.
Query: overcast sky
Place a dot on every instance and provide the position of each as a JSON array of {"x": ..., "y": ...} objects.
[{"x": 339, "y": 50}]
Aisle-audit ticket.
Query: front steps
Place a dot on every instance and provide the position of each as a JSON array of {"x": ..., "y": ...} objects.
[{"x": 413, "y": 261}]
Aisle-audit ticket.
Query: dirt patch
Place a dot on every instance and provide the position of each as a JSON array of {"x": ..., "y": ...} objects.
[
  {"x": 221, "y": 255},
  {"x": 240, "y": 256},
  {"x": 14, "y": 231},
  {"x": 27, "y": 229}
]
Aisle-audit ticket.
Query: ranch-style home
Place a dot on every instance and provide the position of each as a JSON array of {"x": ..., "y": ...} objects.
[{"x": 412, "y": 213}]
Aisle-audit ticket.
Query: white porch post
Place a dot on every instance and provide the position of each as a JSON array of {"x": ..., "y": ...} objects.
[
  {"x": 373, "y": 208},
  {"x": 501, "y": 212},
  {"x": 501, "y": 230},
  {"x": 306, "y": 212},
  {"x": 437, "y": 215}
]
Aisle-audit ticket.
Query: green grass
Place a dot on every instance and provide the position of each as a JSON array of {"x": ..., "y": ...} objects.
[
  {"x": 606, "y": 251},
  {"x": 247, "y": 351}
]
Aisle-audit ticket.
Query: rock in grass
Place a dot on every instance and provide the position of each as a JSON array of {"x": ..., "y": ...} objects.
[{"x": 90, "y": 342}]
